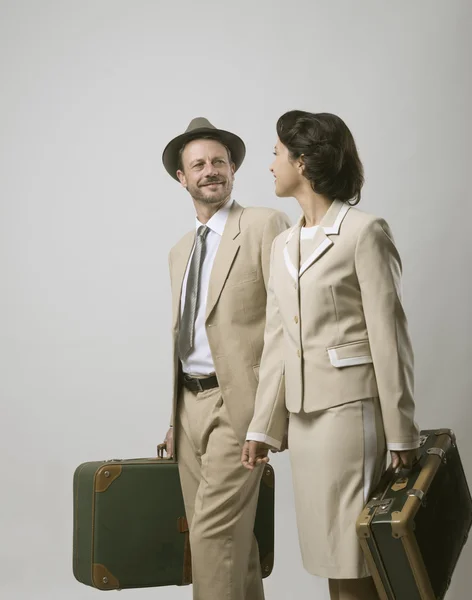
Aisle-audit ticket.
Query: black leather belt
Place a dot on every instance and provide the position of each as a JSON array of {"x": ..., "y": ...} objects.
[{"x": 199, "y": 384}]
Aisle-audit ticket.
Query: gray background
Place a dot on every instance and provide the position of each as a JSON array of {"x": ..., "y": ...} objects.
[{"x": 91, "y": 91}]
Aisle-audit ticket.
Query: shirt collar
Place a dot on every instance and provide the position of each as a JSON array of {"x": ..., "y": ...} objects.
[{"x": 218, "y": 220}]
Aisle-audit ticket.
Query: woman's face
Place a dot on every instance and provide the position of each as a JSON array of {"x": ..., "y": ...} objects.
[{"x": 287, "y": 173}]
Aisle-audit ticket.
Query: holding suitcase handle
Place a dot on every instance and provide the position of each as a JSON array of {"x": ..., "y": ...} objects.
[
  {"x": 405, "y": 458},
  {"x": 406, "y": 471},
  {"x": 161, "y": 448}
]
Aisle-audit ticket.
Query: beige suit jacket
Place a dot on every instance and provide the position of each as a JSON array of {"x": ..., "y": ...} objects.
[
  {"x": 336, "y": 329},
  {"x": 236, "y": 305}
]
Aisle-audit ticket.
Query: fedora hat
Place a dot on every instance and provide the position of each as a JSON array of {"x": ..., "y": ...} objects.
[{"x": 201, "y": 127}]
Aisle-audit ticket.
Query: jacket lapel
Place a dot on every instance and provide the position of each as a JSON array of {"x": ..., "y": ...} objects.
[
  {"x": 179, "y": 266},
  {"x": 330, "y": 225},
  {"x": 225, "y": 256},
  {"x": 292, "y": 250},
  {"x": 321, "y": 243}
]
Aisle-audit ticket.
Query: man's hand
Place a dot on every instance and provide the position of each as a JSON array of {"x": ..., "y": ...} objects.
[
  {"x": 405, "y": 459},
  {"x": 169, "y": 442},
  {"x": 254, "y": 454}
]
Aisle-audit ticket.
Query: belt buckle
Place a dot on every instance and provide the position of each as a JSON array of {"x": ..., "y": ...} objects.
[{"x": 194, "y": 380}]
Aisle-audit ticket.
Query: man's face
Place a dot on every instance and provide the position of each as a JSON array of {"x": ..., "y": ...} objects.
[{"x": 207, "y": 172}]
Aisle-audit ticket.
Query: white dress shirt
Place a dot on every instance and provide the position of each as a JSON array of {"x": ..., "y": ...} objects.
[
  {"x": 199, "y": 361},
  {"x": 308, "y": 233}
]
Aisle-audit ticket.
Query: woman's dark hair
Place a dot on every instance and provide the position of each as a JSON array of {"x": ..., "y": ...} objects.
[{"x": 332, "y": 164}]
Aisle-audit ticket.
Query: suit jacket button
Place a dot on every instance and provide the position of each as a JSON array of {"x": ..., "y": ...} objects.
[
  {"x": 295, "y": 318},
  {"x": 298, "y": 353}
]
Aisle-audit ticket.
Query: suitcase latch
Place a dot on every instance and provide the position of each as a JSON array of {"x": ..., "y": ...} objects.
[{"x": 383, "y": 506}]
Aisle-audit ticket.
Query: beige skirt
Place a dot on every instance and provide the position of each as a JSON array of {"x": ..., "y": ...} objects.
[{"x": 337, "y": 455}]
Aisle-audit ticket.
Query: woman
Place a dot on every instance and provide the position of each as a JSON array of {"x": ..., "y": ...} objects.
[{"x": 337, "y": 335}]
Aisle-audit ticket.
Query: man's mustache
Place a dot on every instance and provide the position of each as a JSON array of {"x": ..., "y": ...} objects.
[{"x": 210, "y": 181}]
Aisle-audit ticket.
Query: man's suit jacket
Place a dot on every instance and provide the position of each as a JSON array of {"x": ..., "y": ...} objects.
[
  {"x": 336, "y": 330},
  {"x": 236, "y": 305}
]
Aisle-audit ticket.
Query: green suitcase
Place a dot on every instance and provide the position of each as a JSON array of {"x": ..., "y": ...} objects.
[
  {"x": 414, "y": 527},
  {"x": 130, "y": 529}
]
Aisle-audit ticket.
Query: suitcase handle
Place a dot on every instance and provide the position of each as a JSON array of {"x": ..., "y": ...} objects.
[
  {"x": 388, "y": 476},
  {"x": 407, "y": 471}
]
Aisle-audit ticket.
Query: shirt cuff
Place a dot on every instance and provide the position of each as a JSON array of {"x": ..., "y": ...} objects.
[
  {"x": 252, "y": 436},
  {"x": 403, "y": 446}
]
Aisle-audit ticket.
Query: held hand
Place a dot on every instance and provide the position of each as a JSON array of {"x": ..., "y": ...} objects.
[
  {"x": 405, "y": 459},
  {"x": 254, "y": 454},
  {"x": 169, "y": 442}
]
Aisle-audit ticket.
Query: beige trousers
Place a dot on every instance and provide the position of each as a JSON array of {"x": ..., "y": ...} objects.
[{"x": 220, "y": 498}]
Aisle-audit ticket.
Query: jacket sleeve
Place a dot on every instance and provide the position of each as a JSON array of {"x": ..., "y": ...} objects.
[
  {"x": 378, "y": 268},
  {"x": 270, "y": 415}
]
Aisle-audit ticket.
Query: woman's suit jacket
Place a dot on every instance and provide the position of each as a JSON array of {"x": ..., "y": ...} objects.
[{"x": 335, "y": 330}]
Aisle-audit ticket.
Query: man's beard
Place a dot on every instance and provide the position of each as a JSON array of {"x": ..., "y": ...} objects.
[{"x": 198, "y": 191}]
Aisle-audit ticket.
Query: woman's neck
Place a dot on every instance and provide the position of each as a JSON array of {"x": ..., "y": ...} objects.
[{"x": 314, "y": 206}]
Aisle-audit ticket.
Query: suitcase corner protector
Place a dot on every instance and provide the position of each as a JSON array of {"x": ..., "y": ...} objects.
[
  {"x": 363, "y": 525},
  {"x": 106, "y": 475},
  {"x": 401, "y": 524},
  {"x": 102, "y": 579}
]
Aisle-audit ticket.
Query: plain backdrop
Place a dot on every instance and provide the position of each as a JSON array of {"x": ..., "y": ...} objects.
[{"x": 91, "y": 92}]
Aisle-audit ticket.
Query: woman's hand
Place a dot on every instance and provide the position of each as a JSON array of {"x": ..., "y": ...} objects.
[
  {"x": 405, "y": 459},
  {"x": 254, "y": 454}
]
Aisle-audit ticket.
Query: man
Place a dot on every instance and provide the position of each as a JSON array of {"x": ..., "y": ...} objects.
[{"x": 219, "y": 273}]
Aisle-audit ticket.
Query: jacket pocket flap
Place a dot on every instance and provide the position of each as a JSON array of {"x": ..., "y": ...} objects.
[{"x": 348, "y": 355}]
